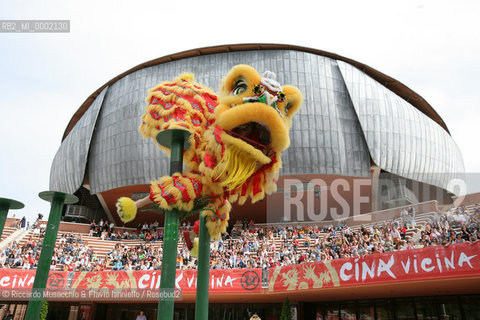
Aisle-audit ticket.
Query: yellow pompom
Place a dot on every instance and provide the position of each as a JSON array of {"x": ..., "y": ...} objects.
[
  {"x": 126, "y": 209},
  {"x": 194, "y": 251}
]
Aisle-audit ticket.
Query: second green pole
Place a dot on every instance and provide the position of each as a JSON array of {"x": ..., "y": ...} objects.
[
  {"x": 175, "y": 140},
  {"x": 203, "y": 272}
]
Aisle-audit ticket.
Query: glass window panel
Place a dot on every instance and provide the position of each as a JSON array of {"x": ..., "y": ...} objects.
[
  {"x": 331, "y": 313},
  {"x": 471, "y": 307},
  {"x": 348, "y": 312},
  {"x": 449, "y": 308},
  {"x": 384, "y": 310},
  {"x": 319, "y": 315},
  {"x": 426, "y": 308},
  {"x": 366, "y": 310},
  {"x": 73, "y": 313}
]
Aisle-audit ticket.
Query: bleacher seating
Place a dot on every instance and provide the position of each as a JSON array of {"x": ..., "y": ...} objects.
[
  {"x": 269, "y": 247},
  {"x": 7, "y": 231}
]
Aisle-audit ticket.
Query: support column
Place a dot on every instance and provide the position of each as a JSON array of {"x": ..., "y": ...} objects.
[
  {"x": 203, "y": 272},
  {"x": 174, "y": 139},
  {"x": 58, "y": 199},
  {"x": 5, "y": 205}
]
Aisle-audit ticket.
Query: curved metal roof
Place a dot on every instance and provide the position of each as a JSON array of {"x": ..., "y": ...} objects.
[
  {"x": 395, "y": 86},
  {"x": 348, "y": 120}
]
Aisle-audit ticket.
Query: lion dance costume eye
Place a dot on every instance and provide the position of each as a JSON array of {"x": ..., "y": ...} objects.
[
  {"x": 237, "y": 138},
  {"x": 258, "y": 89}
]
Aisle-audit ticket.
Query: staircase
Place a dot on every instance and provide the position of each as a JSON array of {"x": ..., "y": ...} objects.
[{"x": 12, "y": 235}]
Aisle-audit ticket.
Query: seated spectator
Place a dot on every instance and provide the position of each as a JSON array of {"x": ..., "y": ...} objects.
[{"x": 117, "y": 265}]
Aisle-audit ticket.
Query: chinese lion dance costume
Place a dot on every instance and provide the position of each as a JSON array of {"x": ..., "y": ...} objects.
[{"x": 235, "y": 144}]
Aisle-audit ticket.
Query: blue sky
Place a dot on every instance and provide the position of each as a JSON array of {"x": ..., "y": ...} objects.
[{"x": 430, "y": 46}]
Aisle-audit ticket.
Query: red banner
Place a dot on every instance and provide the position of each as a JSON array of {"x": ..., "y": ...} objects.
[
  {"x": 131, "y": 285},
  {"x": 226, "y": 281},
  {"x": 459, "y": 260},
  {"x": 23, "y": 279}
]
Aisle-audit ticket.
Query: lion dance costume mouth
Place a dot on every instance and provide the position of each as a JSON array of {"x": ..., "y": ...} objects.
[{"x": 236, "y": 142}]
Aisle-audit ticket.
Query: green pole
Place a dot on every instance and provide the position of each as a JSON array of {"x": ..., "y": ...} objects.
[
  {"x": 58, "y": 199},
  {"x": 5, "y": 205},
  {"x": 203, "y": 270},
  {"x": 3, "y": 217},
  {"x": 175, "y": 139}
]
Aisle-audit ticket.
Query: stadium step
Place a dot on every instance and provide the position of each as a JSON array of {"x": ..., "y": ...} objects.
[
  {"x": 7, "y": 231},
  {"x": 16, "y": 235}
]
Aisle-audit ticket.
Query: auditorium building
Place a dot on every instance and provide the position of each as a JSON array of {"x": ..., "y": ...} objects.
[
  {"x": 389, "y": 148},
  {"x": 355, "y": 123}
]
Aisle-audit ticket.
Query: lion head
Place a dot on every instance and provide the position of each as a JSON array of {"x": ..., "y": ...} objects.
[{"x": 255, "y": 113}]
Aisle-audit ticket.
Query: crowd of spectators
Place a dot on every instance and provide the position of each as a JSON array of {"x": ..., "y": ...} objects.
[
  {"x": 38, "y": 226},
  {"x": 24, "y": 256},
  {"x": 455, "y": 226},
  {"x": 145, "y": 232},
  {"x": 256, "y": 247},
  {"x": 250, "y": 246},
  {"x": 72, "y": 253},
  {"x": 21, "y": 257},
  {"x": 247, "y": 245},
  {"x": 139, "y": 257}
]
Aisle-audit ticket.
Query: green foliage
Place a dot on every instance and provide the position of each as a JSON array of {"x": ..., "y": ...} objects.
[
  {"x": 44, "y": 310},
  {"x": 286, "y": 312}
]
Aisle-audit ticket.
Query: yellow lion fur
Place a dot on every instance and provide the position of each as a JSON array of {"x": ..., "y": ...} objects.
[
  {"x": 236, "y": 161},
  {"x": 194, "y": 251}
]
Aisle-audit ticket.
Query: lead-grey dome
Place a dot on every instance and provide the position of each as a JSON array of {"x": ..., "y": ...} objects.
[{"x": 348, "y": 120}]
